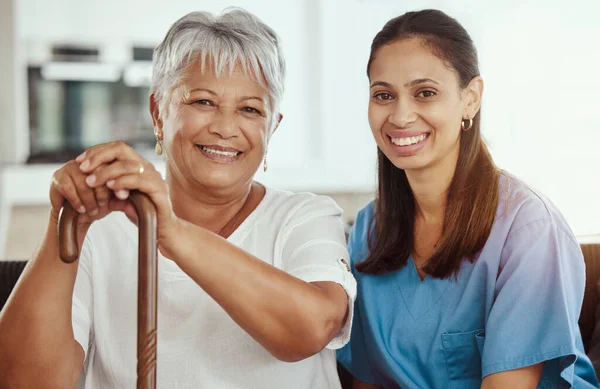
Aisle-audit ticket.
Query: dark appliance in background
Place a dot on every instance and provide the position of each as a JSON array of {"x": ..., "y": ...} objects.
[{"x": 77, "y": 101}]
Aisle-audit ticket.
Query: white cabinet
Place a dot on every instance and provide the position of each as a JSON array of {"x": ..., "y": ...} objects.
[{"x": 140, "y": 21}]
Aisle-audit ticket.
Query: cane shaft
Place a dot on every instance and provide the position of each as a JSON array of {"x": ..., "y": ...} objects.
[{"x": 147, "y": 278}]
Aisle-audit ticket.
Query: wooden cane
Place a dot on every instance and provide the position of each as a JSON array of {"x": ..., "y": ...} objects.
[{"x": 147, "y": 278}]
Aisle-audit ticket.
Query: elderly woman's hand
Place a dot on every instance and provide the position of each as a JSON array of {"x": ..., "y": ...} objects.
[
  {"x": 68, "y": 184},
  {"x": 117, "y": 166}
]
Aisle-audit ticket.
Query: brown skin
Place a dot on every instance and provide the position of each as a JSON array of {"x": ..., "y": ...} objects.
[
  {"x": 197, "y": 199},
  {"x": 357, "y": 384},
  {"x": 36, "y": 333},
  {"x": 414, "y": 91}
]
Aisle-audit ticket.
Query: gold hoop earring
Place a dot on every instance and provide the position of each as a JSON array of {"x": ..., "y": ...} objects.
[{"x": 462, "y": 124}]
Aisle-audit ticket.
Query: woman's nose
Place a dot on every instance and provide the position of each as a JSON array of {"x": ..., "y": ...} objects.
[
  {"x": 403, "y": 114},
  {"x": 224, "y": 125}
]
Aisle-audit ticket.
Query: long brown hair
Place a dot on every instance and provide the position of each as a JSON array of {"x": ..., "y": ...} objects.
[{"x": 472, "y": 196}]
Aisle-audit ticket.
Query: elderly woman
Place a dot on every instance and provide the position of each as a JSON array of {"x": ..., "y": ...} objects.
[{"x": 250, "y": 278}]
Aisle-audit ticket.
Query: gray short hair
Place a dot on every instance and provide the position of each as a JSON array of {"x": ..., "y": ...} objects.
[{"x": 235, "y": 36}]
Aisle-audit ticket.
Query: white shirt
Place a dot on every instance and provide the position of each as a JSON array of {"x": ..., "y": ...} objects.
[{"x": 199, "y": 345}]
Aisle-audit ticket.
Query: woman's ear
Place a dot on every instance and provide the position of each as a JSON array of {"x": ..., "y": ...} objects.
[
  {"x": 276, "y": 125},
  {"x": 155, "y": 113},
  {"x": 473, "y": 94},
  {"x": 279, "y": 118}
]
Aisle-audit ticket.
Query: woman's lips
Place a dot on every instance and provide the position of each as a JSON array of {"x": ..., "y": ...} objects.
[
  {"x": 407, "y": 144},
  {"x": 219, "y": 153}
]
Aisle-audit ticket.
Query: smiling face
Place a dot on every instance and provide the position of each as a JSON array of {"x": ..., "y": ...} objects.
[
  {"x": 416, "y": 105},
  {"x": 216, "y": 128}
]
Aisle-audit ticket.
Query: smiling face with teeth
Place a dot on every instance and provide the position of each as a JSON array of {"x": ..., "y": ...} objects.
[
  {"x": 216, "y": 128},
  {"x": 416, "y": 105}
]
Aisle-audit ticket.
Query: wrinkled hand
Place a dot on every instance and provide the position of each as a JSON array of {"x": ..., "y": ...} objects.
[
  {"x": 68, "y": 184},
  {"x": 118, "y": 167}
]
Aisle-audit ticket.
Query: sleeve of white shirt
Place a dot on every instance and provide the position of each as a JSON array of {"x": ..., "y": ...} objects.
[
  {"x": 82, "y": 298},
  {"x": 314, "y": 249}
]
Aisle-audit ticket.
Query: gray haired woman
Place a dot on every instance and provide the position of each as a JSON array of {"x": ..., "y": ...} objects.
[{"x": 250, "y": 278}]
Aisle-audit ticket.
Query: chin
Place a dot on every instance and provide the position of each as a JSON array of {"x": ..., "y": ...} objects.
[
  {"x": 223, "y": 179},
  {"x": 217, "y": 180},
  {"x": 407, "y": 167},
  {"x": 413, "y": 162}
]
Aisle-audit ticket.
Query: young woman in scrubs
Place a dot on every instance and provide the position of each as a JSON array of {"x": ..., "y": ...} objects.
[{"x": 467, "y": 277}]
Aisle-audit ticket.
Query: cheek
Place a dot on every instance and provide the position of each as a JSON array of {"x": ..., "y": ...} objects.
[
  {"x": 445, "y": 119},
  {"x": 255, "y": 132},
  {"x": 187, "y": 125},
  {"x": 377, "y": 117},
  {"x": 191, "y": 121}
]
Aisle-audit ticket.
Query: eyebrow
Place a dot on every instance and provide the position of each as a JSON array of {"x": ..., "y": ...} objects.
[
  {"x": 251, "y": 98},
  {"x": 420, "y": 81},
  {"x": 381, "y": 83},
  {"x": 245, "y": 98},
  {"x": 203, "y": 90},
  {"x": 407, "y": 85}
]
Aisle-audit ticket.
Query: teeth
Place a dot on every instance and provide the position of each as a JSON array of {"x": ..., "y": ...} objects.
[
  {"x": 230, "y": 154},
  {"x": 409, "y": 141}
]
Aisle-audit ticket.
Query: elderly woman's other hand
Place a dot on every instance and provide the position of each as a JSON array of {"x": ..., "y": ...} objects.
[{"x": 120, "y": 168}]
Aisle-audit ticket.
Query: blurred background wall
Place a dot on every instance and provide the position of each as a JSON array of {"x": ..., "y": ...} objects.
[{"x": 76, "y": 73}]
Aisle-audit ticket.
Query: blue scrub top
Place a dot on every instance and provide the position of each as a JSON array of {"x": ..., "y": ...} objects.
[{"x": 517, "y": 305}]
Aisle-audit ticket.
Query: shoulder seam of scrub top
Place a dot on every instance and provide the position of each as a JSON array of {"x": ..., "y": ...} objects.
[{"x": 556, "y": 227}]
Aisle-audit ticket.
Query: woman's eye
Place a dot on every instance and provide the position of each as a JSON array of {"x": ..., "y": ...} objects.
[
  {"x": 251, "y": 110},
  {"x": 383, "y": 96},
  {"x": 426, "y": 93},
  {"x": 203, "y": 102}
]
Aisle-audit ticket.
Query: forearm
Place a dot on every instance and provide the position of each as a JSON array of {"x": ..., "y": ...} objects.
[
  {"x": 36, "y": 334},
  {"x": 291, "y": 318},
  {"x": 523, "y": 378}
]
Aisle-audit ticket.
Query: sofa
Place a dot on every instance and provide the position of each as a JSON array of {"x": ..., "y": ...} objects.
[{"x": 588, "y": 320}]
